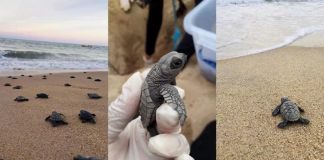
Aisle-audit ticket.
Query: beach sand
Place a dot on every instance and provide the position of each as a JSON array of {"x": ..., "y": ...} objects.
[
  {"x": 248, "y": 90},
  {"x": 24, "y": 133},
  {"x": 199, "y": 97}
]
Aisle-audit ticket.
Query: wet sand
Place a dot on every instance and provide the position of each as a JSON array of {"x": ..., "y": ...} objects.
[
  {"x": 248, "y": 90},
  {"x": 199, "y": 97},
  {"x": 24, "y": 133}
]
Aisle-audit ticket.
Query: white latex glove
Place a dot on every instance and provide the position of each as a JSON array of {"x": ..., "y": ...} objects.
[
  {"x": 128, "y": 140},
  {"x": 125, "y": 4}
]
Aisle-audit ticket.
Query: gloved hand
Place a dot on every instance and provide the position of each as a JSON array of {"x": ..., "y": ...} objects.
[
  {"x": 125, "y": 4},
  {"x": 128, "y": 140}
]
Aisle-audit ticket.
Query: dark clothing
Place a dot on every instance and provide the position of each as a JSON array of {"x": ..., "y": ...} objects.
[
  {"x": 154, "y": 23},
  {"x": 204, "y": 147}
]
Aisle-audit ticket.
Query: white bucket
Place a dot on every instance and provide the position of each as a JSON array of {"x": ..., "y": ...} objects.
[{"x": 201, "y": 24}]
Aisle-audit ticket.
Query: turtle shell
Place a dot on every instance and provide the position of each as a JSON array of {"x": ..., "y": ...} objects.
[
  {"x": 55, "y": 116},
  {"x": 290, "y": 111},
  {"x": 94, "y": 95},
  {"x": 42, "y": 95},
  {"x": 7, "y": 84},
  {"x": 21, "y": 99},
  {"x": 86, "y": 115}
]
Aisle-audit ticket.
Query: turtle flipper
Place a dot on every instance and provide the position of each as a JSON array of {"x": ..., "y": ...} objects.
[
  {"x": 305, "y": 121},
  {"x": 276, "y": 111},
  {"x": 93, "y": 115},
  {"x": 47, "y": 118},
  {"x": 93, "y": 121},
  {"x": 283, "y": 124},
  {"x": 172, "y": 97},
  {"x": 302, "y": 110},
  {"x": 64, "y": 122},
  {"x": 62, "y": 115},
  {"x": 83, "y": 121}
]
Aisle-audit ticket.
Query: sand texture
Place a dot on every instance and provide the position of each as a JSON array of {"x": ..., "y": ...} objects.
[
  {"x": 199, "y": 97},
  {"x": 248, "y": 90},
  {"x": 127, "y": 31},
  {"x": 24, "y": 133}
]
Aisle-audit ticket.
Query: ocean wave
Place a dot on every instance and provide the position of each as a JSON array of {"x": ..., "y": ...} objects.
[
  {"x": 35, "y": 55},
  {"x": 288, "y": 40},
  {"x": 9, "y": 64},
  {"x": 234, "y": 2}
]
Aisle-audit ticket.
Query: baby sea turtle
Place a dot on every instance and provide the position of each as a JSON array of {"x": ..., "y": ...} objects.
[
  {"x": 89, "y": 78},
  {"x": 158, "y": 88},
  {"x": 79, "y": 157},
  {"x": 289, "y": 111},
  {"x": 67, "y": 84},
  {"x": 56, "y": 119},
  {"x": 9, "y": 77},
  {"x": 17, "y": 87},
  {"x": 14, "y": 78},
  {"x": 7, "y": 84},
  {"x": 72, "y": 77},
  {"x": 22, "y": 75},
  {"x": 30, "y": 76},
  {"x": 42, "y": 95},
  {"x": 21, "y": 99},
  {"x": 97, "y": 80},
  {"x": 44, "y": 78},
  {"x": 86, "y": 116},
  {"x": 84, "y": 72},
  {"x": 94, "y": 95},
  {"x": 50, "y": 73}
]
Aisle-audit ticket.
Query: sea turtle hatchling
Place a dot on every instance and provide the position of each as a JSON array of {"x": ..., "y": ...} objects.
[
  {"x": 89, "y": 78},
  {"x": 94, "y": 95},
  {"x": 30, "y": 76},
  {"x": 72, "y": 77},
  {"x": 56, "y": 119},
  {"x": 21, "y": 99},
  {"x": 41, "y": 95},
  {"x": 67, "y": 84},
  {"x": 7, "y": 84},
  {"x": 79, "y": 157},
  {"x": 22, "y": 75},
  {"x": 9, "y": 77},
  {"x": 17, "y": 87},
  {"x": 158, "y": 88},
  {"x": 289, "y": 111},
  {"x": 97, "y": 80},
  {"x": 86, "y": 116},
  {"x": 44, "y": 78},
  {"x": 14, "y": 78}
]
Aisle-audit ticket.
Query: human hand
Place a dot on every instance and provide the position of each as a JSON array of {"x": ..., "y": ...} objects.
[{"x": 128, "y": 140}]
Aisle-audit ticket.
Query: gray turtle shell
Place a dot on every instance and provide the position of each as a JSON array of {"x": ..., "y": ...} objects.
[
  {"x": 55, "y": 117},
  {"x": 290, "y": 111},
  {"x": 86, "y": 115}
]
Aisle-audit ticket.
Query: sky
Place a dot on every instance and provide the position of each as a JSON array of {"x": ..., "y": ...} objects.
[{"x": 66, "y": 21}]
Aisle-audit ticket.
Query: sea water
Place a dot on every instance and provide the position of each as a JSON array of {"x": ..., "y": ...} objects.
[
  {"x": 247, "y": 27},
  {"x": 38, "y": 55}
]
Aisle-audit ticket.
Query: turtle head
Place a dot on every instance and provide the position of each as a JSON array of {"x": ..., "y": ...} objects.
[
  {"x": 172, "y": 63},
  {"x": 284, "y": 99}
]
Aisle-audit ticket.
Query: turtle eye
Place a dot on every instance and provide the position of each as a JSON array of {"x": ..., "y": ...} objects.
[{"x": 176, "y": 64}]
